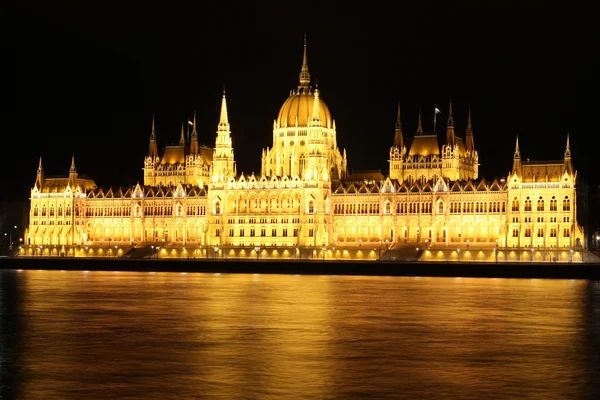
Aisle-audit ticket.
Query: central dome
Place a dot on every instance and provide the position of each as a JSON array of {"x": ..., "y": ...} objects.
[{"x": 300, "y": 105}]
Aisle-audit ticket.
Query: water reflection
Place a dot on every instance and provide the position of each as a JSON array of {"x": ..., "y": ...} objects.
[{"x": 73, "y": 335}]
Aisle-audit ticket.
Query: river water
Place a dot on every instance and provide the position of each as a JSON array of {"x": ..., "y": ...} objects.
[{"x": 124, "y": 335}]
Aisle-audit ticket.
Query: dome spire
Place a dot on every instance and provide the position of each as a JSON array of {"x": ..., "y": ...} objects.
[
  {"x": 316, "y": 111},
  {"x": 304, "y": 74}
]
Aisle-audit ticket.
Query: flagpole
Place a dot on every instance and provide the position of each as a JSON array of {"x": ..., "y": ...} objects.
[
  {"x": 434, "y": 117},
  {"x": 188, "y": 132}
]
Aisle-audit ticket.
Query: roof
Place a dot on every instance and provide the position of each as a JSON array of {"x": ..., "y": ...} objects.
[
  {"x": 300, "y": 104},
  {"x": 541, "y": 170},
  {"x": 59, "y": 184},
  {"x": 173, "y": 155},
  {"x": 373, "y": 175},
  {"x": 424, "y": 145}
]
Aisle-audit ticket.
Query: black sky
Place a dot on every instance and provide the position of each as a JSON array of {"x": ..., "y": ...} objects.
[{"x": 88, "y": 77}]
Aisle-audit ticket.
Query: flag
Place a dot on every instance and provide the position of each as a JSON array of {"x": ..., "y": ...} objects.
[
  {"x": 437, "y": 110},
  {"x": 190, "y": 122}
]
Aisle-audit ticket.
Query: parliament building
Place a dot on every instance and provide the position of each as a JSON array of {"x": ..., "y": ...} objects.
[{"x": 305, "y": 204}]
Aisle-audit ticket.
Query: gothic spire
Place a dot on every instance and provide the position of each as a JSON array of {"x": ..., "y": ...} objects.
[
  {"x": 316, "y": 111},
  {"x": 517, "y": 152},
  {"x": 420, "y": 124},
  {"x": 398, "y": 137},
  {"x": 153, "y": 149},
  {"x": 73, "y": 169},
  {"x": 224, "y": 120},
  {"x": 450, "y": 139},
  {"x": 470, "y": 144},
  {"x": 568, "y": 148},
  {"x": 194, "y": 144},
  {"x": 40, "y": 169},
  {"x": 304, "y": 74},
  {"x": 182, "y": 137},
  {"x": 516, "y": 169}
]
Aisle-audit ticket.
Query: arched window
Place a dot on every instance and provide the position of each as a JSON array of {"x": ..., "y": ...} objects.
[
  {"x": 69, "y": 210},
  {"x": 35, "y": 210},
  {"x": 566, "y": 204},
  {"x": 311, "y": 207},
  {"x": 540, "y": 204},
  {"x": 217, "y": 207},
  {"x": 441, "y": 207},
  {"x": 60, "y": 210},
  {"x": 527, "y": 204},
  {"x": 388, "y": 208},
  {"x": 44, "y": 210},
  {"x": 553, "y": 204},
  {"x": 515, "y": 204},
  {"x": 52, "y": 210}
]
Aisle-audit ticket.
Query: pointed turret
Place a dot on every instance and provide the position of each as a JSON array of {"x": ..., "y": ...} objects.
[
  {"x": 153, "y": 148},
  {"x": 194, "y": 143},
  {"x": 182, "y": 138},
  {"x": 450, "y": 138},
  {"x": 398, "y": 137},
  {"x": 224, "y": 119},
  {"x": 568, "y": 161},
  {"x": 517, "y": 158},
  {"x": 304, "y": 74},
  {"x": 40, "y": 175},
  {"x": 73, "y": 172},
  {"x": 420, "y": 124},
  {"x": 316, "y": 111},
  {"x": 469, "y": 144}
]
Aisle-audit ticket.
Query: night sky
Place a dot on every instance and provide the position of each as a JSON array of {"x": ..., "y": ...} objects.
[{"x": 89, "y": 76}]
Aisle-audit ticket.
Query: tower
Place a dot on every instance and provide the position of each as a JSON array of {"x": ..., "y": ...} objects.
[
  {"x": 194, "y": 141},
  {"x": 398, "y": 151},
  {"x": 39, "y": 180},
  {"x": 73, "y": 173},
  {"x": 516, "y": 169},
  {"x": 151, "y": 160},
  {"x": 223, "y": 164}
]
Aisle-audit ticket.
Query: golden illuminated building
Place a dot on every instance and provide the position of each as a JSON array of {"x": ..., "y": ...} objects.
[{"x": 193, "y": 201}]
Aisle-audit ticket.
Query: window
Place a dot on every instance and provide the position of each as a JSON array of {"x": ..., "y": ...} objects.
[
  {"x": 515, "y": 204},
  {"x": 515, "y": 232},
  {"x": 274, "y": 232},
  {"x": 566, "y": 204},
  {"x": 263, "y": 232},
  {"x": 242, "y": 232},
  {"x": 552, "y": 232},
  {"x": 566, "y": 232},
  {"x": 252, "y": 232},
  {"x": 527, "y": 204},
  {"x": 35, "y": 211},
  {"x": 311, "y": 207},
  {"x": 527, "y": 232},
  {"x": 295, "y": 232},
  {"x": 231, "y": 233},
  {"x": 553, "y": 204},
  {"x": 540, "y": 232},
  {"x": 388, "y": 208},
  {"x": 311, "y": 232},
  {"x": 217, "y": 232},
  {"x": 217, "y": 208},
  {"x": 540, "y": 204},
  {"x": 284, "y": 232},
  {"x": 441, "y": 207}
]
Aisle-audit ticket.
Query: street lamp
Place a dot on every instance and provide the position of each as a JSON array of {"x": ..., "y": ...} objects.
[
  {"x": 257, "y": 250},
  {"x": 10, "y": 238},
  {"x": 216, "y": 251}
]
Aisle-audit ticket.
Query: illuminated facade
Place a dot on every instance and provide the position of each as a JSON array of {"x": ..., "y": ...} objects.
[{"x": 194, "y": 198}]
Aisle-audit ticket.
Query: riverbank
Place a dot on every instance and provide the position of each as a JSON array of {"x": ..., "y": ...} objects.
[{"x": 378, "y": 268}]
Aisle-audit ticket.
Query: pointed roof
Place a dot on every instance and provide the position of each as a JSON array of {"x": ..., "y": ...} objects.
[
  {"x": 398, "y": 137},
  {"x": 304, "y": 74},
  {"x": 420, "y": 124},
  {"x": 223, "y": 118},
  {"x": 182, "y": 137},
  {"x": 450, "y": 139},
  {"x": 470, "y": 144}
]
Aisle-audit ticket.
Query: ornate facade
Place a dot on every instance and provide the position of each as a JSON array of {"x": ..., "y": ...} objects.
[{"x": 194, "y": 200}]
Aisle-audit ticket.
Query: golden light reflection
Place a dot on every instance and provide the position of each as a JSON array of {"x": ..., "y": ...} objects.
[{"x": 279, "y": 336}]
